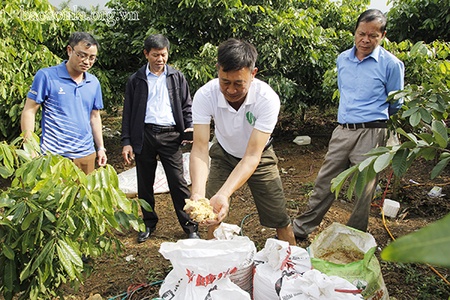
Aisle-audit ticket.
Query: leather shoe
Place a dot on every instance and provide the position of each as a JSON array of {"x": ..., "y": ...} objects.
[
  {"x": 86, "y": 259},
  {"x": 193, "y": 235},
  {"x": 143, "y": 236}
]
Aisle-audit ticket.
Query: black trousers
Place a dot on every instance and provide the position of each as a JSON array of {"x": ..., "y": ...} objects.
[{"x": 166, "y": 146}]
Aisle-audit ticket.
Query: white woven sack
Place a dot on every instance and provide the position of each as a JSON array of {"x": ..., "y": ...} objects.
[
  {"x": 201, "y": 268},
  {"x": 273, "y": 264}
]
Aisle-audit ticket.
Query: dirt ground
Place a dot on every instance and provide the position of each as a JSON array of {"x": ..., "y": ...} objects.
[{"x": 142, "y": 268}]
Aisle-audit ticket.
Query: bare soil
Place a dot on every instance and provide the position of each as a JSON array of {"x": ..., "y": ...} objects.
[{"x": 140, "y": 269}]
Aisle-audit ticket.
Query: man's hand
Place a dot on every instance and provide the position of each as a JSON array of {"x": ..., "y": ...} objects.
[
  {"x": 102, "y": 159},
  {"x": 220, "y": 205},
  {"x": 127, "y": 154}
]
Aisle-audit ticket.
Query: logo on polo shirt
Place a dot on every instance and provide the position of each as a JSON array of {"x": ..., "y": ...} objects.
[
  {"x": 61, "y": 91},
  {"x": 250, "y": 118}
]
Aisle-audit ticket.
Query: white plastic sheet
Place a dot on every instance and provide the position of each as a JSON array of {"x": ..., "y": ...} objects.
[{"x": 128, "y": 180}]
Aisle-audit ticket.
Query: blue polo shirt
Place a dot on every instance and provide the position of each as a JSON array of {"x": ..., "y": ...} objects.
[
  {"x": 364, "y": 85},
  {"x": 66, "y": 110}
]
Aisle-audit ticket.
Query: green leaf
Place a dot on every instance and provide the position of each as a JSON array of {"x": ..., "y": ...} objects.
[
  {"x": 122, "y": 219},
  {"x": 43, "y": 255},
  {"x": 382, "y": 162},
  {"x": 68, "y": 257},
  {"x": 439, "y": 167},
  {"x": 444, "y": 155},
  {"x": 425, "y": 115},
  {"x": 71, "y": 227},
  {"x": 408, "y": 145},
  {"x": 427, "y": 153},
  {"x": 44, "y": 187},
  {"x": 31, "y": 170},
  {"x": 414, "y": 119},
  {"x": 366, "y": 163},
  {"x": 440, "y": 133},
  {"x": 426, "y": 137},
  {"x": 112, "y": 220},
  {"x": 145, "y": 204},
  {"x": 68, "y": 198},
  {"x": 410, "y": 112},
  {"x": 29, "y": 219},
  {"x": 430, "y": 245},
  {"x": 378, "y": 151},
  {"x": 8, "y": 252},
  {"x": 10, "y": 275},
  {"x": 50, "y": 216},
  {"x": 359, "y": 183},
  {"x": 409, "y": 136},
  {"x": 6, "y": 172},
  {"x": 135, "y": 224},
  {"x": 123, "y": 202},
  {"x": 338, "y": 181},
  {"x": 8, "y": 157},
  {"x": 37, "y": 228},
  {"x": 399, "y": 162},
  {"x": 6, "y": 202},
  {"x": 26, "y": 272},
  {"x": 418, "y": 48}
]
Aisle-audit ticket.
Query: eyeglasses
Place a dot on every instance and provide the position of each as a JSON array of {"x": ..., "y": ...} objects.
[{"x": 84, "y": 56}]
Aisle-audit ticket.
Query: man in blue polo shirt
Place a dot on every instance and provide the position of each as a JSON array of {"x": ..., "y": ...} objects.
[
  {"x": 367, "y": 73},
  {"x": 71, "y": 99}
]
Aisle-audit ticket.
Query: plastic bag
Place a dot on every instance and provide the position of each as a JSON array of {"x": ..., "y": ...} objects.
[
  {"x": 275, "y": 265},
  {"x": 348, "y": 253},
  {"x": 202, "y": 269},
  {"x": 315, "y": 285}
]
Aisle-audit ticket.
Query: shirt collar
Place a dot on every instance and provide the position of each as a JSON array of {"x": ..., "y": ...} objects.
[
  {"x": 147, "y": 70},
  {"x": 61, "y": 69},
  {"x": 375, "y": 54}
]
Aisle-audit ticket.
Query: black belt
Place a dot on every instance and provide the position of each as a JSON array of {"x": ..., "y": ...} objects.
[
  {"x": 159, "y": 129},
  {"x": 374, "y": 124}
]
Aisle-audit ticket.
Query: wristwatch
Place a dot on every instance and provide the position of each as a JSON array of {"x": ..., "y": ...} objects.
[{"x": 101, "y": 148}]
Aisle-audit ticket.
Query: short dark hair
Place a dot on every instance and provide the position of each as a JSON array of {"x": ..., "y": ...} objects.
[
  {"x": 77, "y": 37},
  {"x": 236, "y": 54},
  {"x": 371, "y": 15},
  {"x": 156, "y": 41}
]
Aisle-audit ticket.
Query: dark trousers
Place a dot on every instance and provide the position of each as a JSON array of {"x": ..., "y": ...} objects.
[{"x": 166, "y": 145}]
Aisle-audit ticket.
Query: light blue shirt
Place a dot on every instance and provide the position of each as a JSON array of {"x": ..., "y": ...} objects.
[
  {"x": 364, "y": 85},
  {"x": 66, "y": 110},
  {"x": 159, "y": 110}
]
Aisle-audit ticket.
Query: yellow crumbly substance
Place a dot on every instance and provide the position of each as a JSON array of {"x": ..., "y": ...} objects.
[{"x": 199, "y": 210}]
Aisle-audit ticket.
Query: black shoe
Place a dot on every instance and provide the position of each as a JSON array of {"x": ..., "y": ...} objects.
[
  {"x": 143, "y": 236},
  {"x": 193, "y": 235},
  {"x": 86, "y": 259}
]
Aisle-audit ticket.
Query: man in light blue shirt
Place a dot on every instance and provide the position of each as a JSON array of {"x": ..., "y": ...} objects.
[
  {"x": 71, "y": 100},
  {"x": 367, "y": 73}
]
